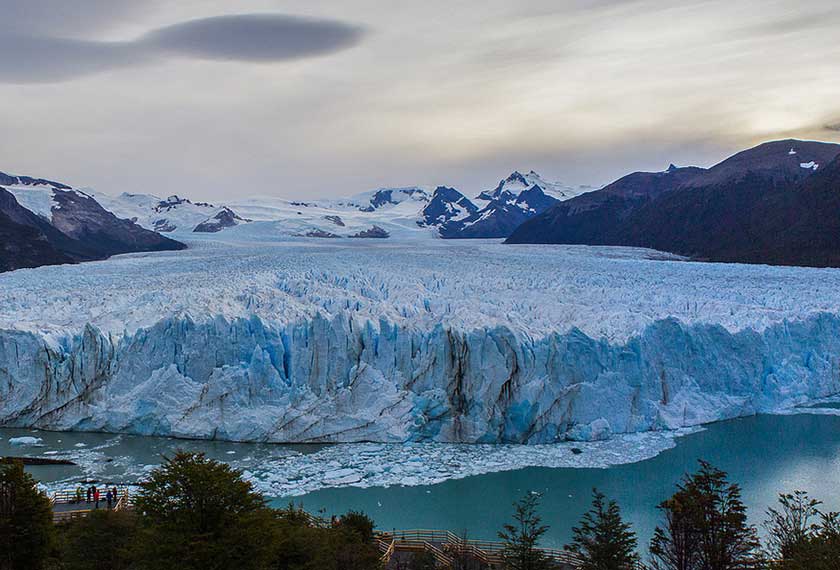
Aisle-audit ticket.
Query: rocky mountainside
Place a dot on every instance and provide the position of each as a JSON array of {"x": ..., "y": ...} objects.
[
  {"x": 47, "y": 223},
  {"x": 494, "y": 213},
  {"x": 776, "y": 203}
]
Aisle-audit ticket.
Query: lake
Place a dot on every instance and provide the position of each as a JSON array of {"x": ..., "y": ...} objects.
[{"x": 764, "y": 454}]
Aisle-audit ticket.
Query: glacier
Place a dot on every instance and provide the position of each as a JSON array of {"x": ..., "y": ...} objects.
[{"x": 256, "y": 337}]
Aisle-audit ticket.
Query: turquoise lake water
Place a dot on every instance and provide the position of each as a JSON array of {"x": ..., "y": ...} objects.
[{"x": 764, "y": 454}]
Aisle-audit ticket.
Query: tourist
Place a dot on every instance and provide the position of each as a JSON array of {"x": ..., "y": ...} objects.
[
  {"x": 89, "y": 493},
  {"x": 96, "y": 498},
  {"x": 108, "y": 498},
  {"x": 114, "y": 492}
]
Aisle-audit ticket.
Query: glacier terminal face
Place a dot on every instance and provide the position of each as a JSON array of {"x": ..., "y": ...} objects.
[{"x": 251, "y": 337}]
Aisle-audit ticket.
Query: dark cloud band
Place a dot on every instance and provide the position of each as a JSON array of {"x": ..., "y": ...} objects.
[
  {"x": 255, "y": 37},
  {"x": 248, "y": 37}
]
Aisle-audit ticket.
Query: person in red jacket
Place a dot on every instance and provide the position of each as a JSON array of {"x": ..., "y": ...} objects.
[{"x": 96, "y": 497}]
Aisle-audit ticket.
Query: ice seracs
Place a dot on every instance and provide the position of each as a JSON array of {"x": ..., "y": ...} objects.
[{"x": 250, "y": 338}]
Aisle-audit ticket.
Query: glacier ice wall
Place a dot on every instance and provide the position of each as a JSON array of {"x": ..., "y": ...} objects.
[{"x": 343, "y": 378}]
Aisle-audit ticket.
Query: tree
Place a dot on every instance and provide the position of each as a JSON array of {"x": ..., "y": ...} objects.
[
  {"x": 521, "y": 537},
  {"x": 792, "y": 526},
  {"x": 705, "y": 526},
  {"x": 360, "y": 523},
  {"x": 312, "y": 545},
  {"x": 603, "y": 541},
  {"x": 26, "y": 526},
  {"x": 103, "y": 539},
  {"x": 200, "y": 514},
  {"x": 800, "y": 537}
]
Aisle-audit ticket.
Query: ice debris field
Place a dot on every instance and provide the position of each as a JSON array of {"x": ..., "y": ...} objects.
[
  {"x": 252, "y": 337},
  {"x": 285, "y": 471}
]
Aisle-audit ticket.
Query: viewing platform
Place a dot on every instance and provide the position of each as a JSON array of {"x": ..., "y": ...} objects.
[{"x": 71, "y": 504}]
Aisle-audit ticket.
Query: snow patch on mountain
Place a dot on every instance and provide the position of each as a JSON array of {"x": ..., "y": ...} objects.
[
  {"x": 171, "y": 214},
  {"x": 518, "y": 182}
]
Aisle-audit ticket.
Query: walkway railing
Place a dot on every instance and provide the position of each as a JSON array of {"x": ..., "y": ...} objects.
[
  {"x": 445, "y": 545},
  {"x": 70, "y": 504}
]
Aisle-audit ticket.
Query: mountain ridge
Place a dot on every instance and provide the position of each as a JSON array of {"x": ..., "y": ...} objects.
[{"x": 715, "y": 214}]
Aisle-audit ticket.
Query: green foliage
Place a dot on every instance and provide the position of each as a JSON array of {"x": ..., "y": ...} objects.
[
  {"x": 360, "y": 523},
  {"x": 26, "y": 528},
  {"x": 522, "y": 536},
  {"x": 103, "y": 540},
  {"x": 422, "y": 561},
  {"x": 603, "y": 541},
  {"x": 202, "y": 514},
  {"x": 705, "y": 526},
  {"x": 313, "y": 547},
  {"x": 801, "y": 537}
]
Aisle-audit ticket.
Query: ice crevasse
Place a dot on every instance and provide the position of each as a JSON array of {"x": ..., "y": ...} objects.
[{"x": 343, "y": 378}]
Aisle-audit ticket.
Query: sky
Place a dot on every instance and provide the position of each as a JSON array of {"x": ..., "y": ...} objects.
[{"x": 216, "y": 99}]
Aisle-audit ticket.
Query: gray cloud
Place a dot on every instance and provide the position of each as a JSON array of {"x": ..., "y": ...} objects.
[
  {"x": 76, "y": 17},
  {"x": 39, "y": 58},
  {"x": 255, "y": 37},
  {"x": 833, "y": 127},
  {"x": 46, "y": 59}
]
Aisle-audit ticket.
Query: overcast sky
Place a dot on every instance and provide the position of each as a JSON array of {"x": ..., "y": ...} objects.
[{"x": 214, "y": 99}]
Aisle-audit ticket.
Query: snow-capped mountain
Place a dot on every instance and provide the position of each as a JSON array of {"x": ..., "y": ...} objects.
[
  {"x": 517, "y": 183},
  {"x": 372, "y": 201},
  {"x": 171, "y": 214},
  {"x": 408, "y": 212},
  {"x": 446, "y": 206},
  {"x": 46, "y": 222},
  {"x": 496, "y": 213}
]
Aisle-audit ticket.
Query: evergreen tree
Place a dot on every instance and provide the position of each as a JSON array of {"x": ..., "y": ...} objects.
[
  {"x": 26, "y": 526},
  {"x": 603, "y": 541},
  {"x": 200, "y": 514},
  {"x": 521, "y": 536},
  {"x": 705, "y": 526}
]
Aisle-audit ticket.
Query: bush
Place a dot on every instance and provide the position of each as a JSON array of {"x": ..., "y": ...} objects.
[
  {"x": 26, "y": 527},
  {"x": 104, "y": 539}
]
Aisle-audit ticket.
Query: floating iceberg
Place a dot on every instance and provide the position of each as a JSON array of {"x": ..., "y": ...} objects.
[{"x": 25, "y": 441}]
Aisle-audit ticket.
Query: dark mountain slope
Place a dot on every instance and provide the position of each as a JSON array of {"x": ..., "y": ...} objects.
[
  {"x": 776, "y": 203},
  {"x": 83, "y": 219},
  {"x": 23, "y": 240},
  {"x": 76, "y": 228}
]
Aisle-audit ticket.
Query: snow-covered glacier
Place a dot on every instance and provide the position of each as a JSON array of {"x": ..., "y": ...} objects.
[{"x": 249, "y": 337}]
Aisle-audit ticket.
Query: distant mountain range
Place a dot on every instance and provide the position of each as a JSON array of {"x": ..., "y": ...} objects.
[
  {"x": 49, "y": 222},
  {"x": 777, "y": 203}
]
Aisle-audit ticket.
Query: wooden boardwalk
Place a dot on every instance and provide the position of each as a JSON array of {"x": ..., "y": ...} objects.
[
  {"x": 72, "y": 504},
  {"x": 453, "y": 551}
]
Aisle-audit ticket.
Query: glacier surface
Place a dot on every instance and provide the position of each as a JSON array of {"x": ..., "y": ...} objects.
[{"x": 254, "y": 337}]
